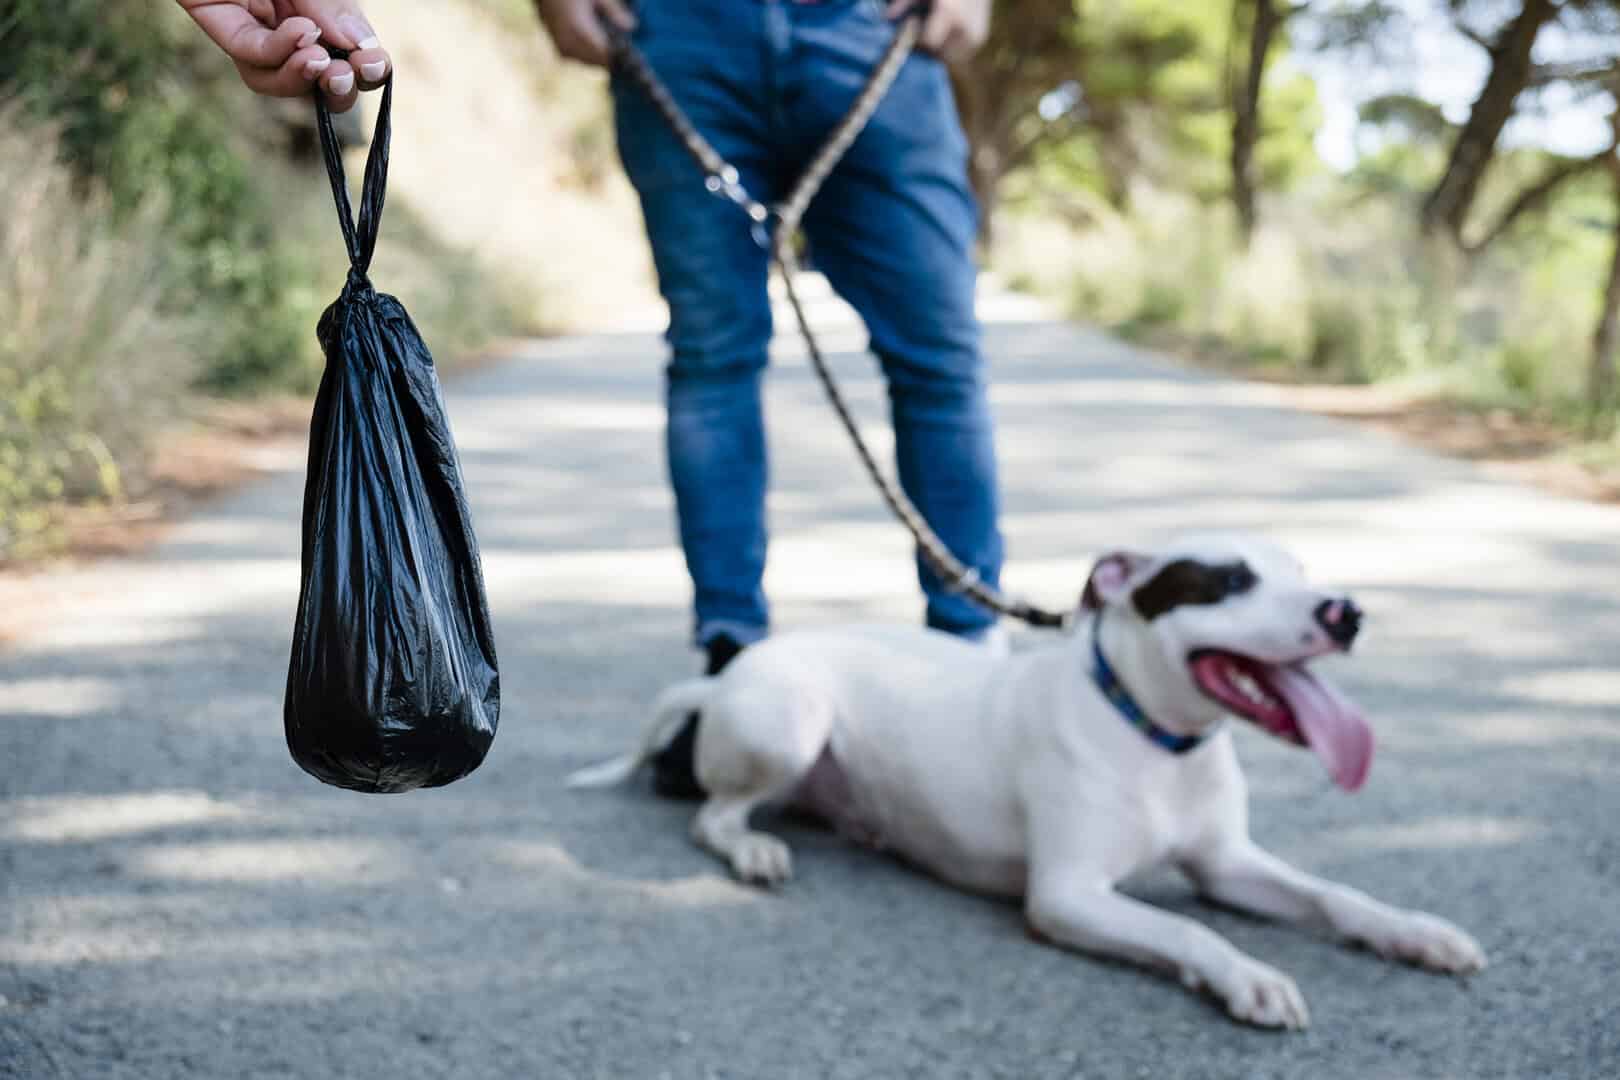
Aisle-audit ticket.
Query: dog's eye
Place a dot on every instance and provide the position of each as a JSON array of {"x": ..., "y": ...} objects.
[{"x": 1238, "y": 579}]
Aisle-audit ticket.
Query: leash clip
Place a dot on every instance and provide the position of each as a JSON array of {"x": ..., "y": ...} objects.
[{"x": 728, "y": 185}]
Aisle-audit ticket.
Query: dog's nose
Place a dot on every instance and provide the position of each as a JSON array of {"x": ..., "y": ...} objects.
[{"x": 1341, "y": 619}]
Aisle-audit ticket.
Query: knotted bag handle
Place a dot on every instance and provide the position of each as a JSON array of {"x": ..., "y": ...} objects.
[{"x": 361, "y": 239}]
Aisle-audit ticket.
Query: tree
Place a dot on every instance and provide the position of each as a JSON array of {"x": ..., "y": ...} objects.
[
  {"x": 1264, "y": 19},
  {"x": 1537, "y": 196},
  {"x": 1514, "y": 71},
  {"x": 1030, "y": 56},
  {"x": 1601, "y": 383},
  {"x": 1448, "y": 204},
  {"x": 1057, "y": 70}
]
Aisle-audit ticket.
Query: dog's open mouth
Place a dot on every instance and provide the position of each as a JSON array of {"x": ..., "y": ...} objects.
[{"x": 1293, "y": 704}]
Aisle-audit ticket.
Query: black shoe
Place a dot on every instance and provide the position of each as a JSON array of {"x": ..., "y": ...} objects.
[{"x": 674, "y": 776}]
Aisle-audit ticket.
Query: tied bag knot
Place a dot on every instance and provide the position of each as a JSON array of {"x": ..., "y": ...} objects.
[
  {"x": 357, "y": 289},
  {"x": 393, "y": 683}
]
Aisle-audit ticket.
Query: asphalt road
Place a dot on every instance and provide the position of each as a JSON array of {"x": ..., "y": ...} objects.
[{"x": 178, "y": 900}]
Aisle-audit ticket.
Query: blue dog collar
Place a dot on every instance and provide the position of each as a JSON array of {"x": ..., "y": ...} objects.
[{"x": 1102, "y": 673}]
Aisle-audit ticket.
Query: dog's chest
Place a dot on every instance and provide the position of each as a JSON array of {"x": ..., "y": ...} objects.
[{"x": 1175, "y": 808}]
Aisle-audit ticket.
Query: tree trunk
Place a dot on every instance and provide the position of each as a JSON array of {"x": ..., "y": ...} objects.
[
  {"x": 985, "y": 174},
  {"x": 1116, "y": 153},
  {"x": 1246, "y": 116},
  {"x": 1536, "y": 197},
  {"x": 1601, "y": 384},
  {"x": 985, "y": 124},
  {"x": 1448, "y": 205}
]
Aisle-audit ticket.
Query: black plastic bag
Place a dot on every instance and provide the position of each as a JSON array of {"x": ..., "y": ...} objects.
[{"x": 393, "y": 682}]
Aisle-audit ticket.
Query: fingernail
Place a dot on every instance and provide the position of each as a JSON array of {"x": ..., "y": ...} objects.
[
  {"x": 374, "y": 72},
  {"x": 358, "y": 29},
  {"x": 309, "y": 38},
  {"x": 313, "y": 69},
  {"x": 341, "y": 85}
]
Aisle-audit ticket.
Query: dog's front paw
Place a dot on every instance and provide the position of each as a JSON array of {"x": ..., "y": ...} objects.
[
  {"x": 760, "y": 859},
  {"x": 1431, "y": 942},
  {"x": 1258, "y": 994}
]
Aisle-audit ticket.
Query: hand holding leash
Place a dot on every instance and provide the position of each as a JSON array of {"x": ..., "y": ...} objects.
[
  {"x": 952, "y": 29},
  {"x": 584, "y": 30}
]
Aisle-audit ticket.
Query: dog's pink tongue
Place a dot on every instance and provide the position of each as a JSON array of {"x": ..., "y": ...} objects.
[{"x": 1332, "y": 724}]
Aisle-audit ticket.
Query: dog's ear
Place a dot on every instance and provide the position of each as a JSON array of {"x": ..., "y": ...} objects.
[{"x": 1111, "y": 578}]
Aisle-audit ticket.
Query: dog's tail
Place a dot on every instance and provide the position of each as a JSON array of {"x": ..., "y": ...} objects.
[{"x": 673, "y": 706}]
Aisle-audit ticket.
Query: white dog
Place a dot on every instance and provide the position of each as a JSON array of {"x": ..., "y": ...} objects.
[{"x": 1054, "y": 774}]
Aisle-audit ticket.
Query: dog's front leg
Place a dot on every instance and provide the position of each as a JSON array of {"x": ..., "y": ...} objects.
[
  {"x": 1094, "y": 918},
  {"x": 1241, "y": 875}
]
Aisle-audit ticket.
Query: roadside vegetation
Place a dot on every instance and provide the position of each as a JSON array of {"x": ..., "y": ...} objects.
[
  {"x": 169, "y": 239},
  {"x": 1153, "y": 166}
]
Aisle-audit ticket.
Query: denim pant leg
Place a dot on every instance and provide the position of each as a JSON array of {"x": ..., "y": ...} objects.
[
  {"x": 894, "y": 230},
  {"x": 713, "y": 276}
]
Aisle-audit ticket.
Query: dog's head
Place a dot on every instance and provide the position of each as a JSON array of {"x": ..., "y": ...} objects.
[{"x": 1226, "y": 625}]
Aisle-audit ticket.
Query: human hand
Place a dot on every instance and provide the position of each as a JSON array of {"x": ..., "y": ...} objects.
[
  {"x": 577, "y": 29},
  {"x": 277, "y": 50},
  {"x": 952, "y": 29}
]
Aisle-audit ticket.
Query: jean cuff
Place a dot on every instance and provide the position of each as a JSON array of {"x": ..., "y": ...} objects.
[
  {"x": 743, "y": 634},
  {"x": 973, "y": 633}
]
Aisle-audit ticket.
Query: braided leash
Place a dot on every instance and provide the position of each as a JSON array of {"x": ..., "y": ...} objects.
[{"x": 722, "y": 179}]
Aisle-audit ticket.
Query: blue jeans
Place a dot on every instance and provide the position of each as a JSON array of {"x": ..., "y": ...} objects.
[{"x": 893, "y": 230}]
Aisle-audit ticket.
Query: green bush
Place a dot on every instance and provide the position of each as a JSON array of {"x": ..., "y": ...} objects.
[
  {"x": 1338, "y": 337},
  {"x": 148, "y": 113},
  {"x": 1163, "y": 303},
  {"x": 1338, "y": 288},
  {"x": 1519, "y": 367},
  {"x": 159, "y": 239},
  {"x": 88, "y": 360}
]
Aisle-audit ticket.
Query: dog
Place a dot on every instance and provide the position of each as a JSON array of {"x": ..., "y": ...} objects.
[{"x": 1055, "y": 773}]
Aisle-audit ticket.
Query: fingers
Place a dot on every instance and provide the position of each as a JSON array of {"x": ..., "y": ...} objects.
[
  {"x": 579, "y": 27},
  {"x": 285, "y": 61},
  {"x": 942, "y": 32},
  {"x": 292, "y": 79},
  {"x": 303, "y": 70},
  {"x": 343, "y": 26},
  {"x": 952, "y": 29},
  {"x": 260, "y": 47},
  {"x": 584, "y": 41},
  {"x": 371, "y": 67},
  {"x": 341, "y": 85},
  {"x": 246, "y": 40}
]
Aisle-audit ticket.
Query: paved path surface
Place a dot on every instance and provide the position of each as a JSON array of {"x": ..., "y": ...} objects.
[{"x": 177, "y": 900}]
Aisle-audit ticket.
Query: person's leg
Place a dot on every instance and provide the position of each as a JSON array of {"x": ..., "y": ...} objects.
[
  {"x": 894, "y": 231},
  {"x": 713, "y": 276}
]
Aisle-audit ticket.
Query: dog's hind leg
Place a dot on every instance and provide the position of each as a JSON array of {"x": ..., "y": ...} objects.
[
  {"x": 754, "y": 747},
  {"x": 755, "y": 857}
]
